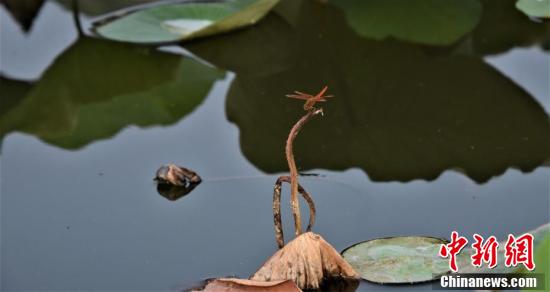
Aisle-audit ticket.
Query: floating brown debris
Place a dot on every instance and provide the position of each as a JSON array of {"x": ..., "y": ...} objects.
[
  {"x": 175, "y": 181},
  {"x": 172, "y": 174},
  {"x": 307, "y": 260}
]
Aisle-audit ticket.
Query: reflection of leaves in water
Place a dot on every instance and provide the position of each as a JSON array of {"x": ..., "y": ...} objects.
[
  {"x": 12, "y": 92},
  {"x": 491, "y": 36},
  {"x": 270, "y": 39},
  {"x": 24, "y": 11},
  {"x": 424, "y": 21},
  {"x": 97, "y": 88},
  {"x": 444, "y": 22},
  {"x": 400, "y": 113}
]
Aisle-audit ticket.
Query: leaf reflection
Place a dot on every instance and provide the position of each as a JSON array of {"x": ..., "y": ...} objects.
[
  {"x": 401, "y": 111},
  {"x": 96, "y": 88}
]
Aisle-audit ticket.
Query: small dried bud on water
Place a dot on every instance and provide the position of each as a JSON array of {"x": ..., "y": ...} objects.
[
  {"x": 172, "y": 174},
  {"x": 175, "y": 181}
]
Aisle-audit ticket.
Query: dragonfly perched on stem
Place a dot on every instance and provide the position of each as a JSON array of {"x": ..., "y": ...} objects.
[
  {"x": 307, "y": 260},
  {"x": 311, "y": 100},
  {"x": 295, "y": 187}
]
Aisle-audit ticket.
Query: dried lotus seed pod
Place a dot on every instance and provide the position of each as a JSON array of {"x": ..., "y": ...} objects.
[{"x": 172, "y": 174}]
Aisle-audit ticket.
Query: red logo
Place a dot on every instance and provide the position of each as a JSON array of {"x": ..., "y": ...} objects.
[
  {"x": 518, "y": 251},
  {"x": 452, "y": 249},
  {"x": 485, "y": 252}
]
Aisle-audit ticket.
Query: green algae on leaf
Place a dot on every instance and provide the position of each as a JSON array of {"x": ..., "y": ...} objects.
[
  {"x": 177, "y": 22},
  {"x": 396, "y": 260},
  {"x": 431, "y": 22},
  {"x": 534, "y": 8}
]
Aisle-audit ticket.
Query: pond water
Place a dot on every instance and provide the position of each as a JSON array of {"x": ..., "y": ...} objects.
[{"x": 420, "y": 140}]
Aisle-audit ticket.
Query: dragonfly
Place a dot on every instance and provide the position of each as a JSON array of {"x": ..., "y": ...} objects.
[{"x": 311, "y": 100}]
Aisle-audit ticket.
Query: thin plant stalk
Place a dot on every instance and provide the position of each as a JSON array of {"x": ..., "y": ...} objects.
[
  {"x": 294, "y": 202},
  {"x": 279, "y": 237},
  {"x": 76, "y": 17}
]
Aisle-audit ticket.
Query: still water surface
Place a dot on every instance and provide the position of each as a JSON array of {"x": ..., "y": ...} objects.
[{"x": 419, "y": 140}]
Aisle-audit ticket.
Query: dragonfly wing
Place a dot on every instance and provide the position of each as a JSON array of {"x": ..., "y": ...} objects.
[
  {"x": 297, "y": 96},
  {"x": 322, "y": 92}
]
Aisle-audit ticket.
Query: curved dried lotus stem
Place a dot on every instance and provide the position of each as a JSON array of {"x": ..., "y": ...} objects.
[
  {"x": 294, "y": 203},
  {"x": 279, "y": 236}
]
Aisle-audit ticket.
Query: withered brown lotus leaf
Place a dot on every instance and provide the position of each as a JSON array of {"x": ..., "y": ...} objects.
[{"x": 307, "y": 260}]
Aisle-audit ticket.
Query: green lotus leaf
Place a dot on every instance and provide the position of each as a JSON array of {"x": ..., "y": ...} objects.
[
  {"x": 431, "y": 22},
  {"x": 95, "y": 8},
  {"x": 534, "y": 8},
  {"x": 413, "y": 259},
  {"x": 398, "y": 260},
  {"x": 542, "y": 261},
  {"x": 177, "y": 22}
]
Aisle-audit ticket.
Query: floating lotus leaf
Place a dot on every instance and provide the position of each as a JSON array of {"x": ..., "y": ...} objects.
[
  {"x": 534, "y": 8},
  {"x": 177, "y": 22},
  {"x": 398, "y": 260},
  {"x": 95, "y": 8}
]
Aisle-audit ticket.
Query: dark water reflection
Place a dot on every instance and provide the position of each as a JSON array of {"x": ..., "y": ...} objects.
[
  {"x": 96, "y": 87},
  {"x": 401, "y": 112},
  {"x": 80, "y": 145}
]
